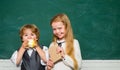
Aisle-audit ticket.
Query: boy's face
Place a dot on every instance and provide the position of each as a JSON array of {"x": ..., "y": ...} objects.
[{"x": 28, "y": 34}]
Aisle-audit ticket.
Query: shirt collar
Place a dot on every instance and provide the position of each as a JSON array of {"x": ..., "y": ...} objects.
[{"x": 61, "y": 41}]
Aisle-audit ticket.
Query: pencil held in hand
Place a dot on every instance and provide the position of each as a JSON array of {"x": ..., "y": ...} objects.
[{"x": 31, "y": 43}]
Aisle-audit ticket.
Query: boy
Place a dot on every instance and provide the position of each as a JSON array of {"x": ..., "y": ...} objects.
[{"x": 30, "y": 55}]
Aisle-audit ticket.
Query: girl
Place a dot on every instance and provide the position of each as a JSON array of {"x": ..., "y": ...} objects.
[
  {"x": 68, "y": 47},
  {"x": 30, "y": 57}
]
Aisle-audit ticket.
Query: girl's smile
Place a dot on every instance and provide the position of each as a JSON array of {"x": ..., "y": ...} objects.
[{"x": 58, "y": 29}]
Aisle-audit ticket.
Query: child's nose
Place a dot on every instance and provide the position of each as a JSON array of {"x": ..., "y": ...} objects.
[
  {"x": 29, "y": 37},
  {"x": 57, "y": 30}
]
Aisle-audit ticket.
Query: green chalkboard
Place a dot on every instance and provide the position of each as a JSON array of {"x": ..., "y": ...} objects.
[{"x": 96, "y": 24}]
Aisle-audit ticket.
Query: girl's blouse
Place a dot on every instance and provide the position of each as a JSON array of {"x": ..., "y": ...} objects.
[{"x": 67, "y": 62}]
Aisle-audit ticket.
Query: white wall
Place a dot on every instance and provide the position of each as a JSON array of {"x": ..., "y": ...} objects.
[
  {"x": 101, "y": 65},
  {"x": 6, "y": 64}
]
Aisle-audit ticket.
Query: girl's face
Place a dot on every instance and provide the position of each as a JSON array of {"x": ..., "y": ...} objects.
[
  {"x": 28, "y": 34},
  {"x": 59, "y": 30}
]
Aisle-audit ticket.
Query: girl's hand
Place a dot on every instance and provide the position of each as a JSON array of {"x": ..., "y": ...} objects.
[
  {"x": 50, "y": 64},
  {"x": 60, "y": 51}
]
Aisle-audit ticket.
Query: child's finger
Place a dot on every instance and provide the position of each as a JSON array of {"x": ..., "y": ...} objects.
[{"x": 50, "y": 63}]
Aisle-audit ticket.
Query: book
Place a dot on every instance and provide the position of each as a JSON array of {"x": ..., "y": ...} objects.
[{"x": 53, "y": 54}]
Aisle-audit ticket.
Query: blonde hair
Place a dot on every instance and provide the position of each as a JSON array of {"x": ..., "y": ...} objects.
[
  {"x": 33, "y": 28},
  {"x": 68, "y": 37}
]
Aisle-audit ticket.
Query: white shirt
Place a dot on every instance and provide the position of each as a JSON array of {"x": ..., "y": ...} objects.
[
  {"x": 67, "y": 63},
  {"x": 29, "y": 51}
]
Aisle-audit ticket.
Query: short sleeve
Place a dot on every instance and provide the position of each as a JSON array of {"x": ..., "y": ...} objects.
[
  {"x": 14, "y": 57},
  {"x": 45, "y": 49}
]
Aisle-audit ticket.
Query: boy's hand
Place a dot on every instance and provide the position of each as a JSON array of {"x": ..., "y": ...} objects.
[{"x": 25, "y": 44}]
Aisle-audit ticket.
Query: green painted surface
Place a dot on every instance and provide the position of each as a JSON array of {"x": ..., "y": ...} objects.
[{"x": 96, "y": 24}]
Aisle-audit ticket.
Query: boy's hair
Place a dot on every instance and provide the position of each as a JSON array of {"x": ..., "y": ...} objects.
[
  {"x": 68, "y": 37},
  {"x": 33, "y": 28}
]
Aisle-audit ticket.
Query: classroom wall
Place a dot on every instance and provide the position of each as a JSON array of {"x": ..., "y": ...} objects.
[
  {"x": 86, "y": 65},
  {"x": 96, "y": 24}
]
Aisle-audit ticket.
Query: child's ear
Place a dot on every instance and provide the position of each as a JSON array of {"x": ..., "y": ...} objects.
[
  {"x": 36, "y": 39},
  {"x": 22, "y": 40}
]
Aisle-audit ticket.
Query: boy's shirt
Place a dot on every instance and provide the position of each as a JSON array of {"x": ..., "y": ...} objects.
[{"x": 29, "y": 51}]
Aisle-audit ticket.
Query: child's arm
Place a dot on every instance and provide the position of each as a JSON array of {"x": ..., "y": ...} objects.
[
  {"x": 45, "y": 49},
  {"x": 19, "y": 55},
  {"x": 16, "y": 57},
  {"x": 78, "y": 55},
  {"x": 41, "y": 53},
  {"x": 21, "y": 52},
  {"x": 69, "y": 61}
]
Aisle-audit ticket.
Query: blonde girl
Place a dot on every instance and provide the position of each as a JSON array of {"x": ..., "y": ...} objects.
[{"x": 70, "y": 48}]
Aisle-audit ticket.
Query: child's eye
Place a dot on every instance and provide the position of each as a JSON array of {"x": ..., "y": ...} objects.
[
  {"x": 32, "y": 34},
  {"x": 53, "y": 29},
  {"x": 25, "y": 35},
  {"x": 59, "y": 28}
]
